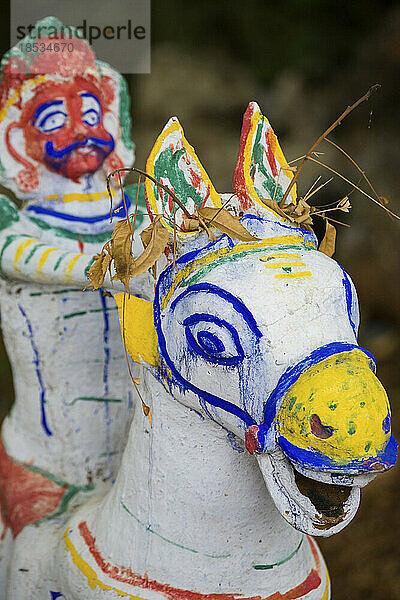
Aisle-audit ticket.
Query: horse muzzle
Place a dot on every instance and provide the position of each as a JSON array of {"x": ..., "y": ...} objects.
[{"x": 328, "y": 436}]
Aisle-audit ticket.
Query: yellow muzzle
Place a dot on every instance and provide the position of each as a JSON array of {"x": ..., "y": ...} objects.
[{"x": 336, "y": 415}]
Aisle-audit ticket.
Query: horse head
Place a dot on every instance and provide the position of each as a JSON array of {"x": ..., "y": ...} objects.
[{"x": 259, "y": 333}]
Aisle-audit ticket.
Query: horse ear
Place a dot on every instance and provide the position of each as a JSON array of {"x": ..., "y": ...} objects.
[
  {"x": 261, "y": 170},
  {"x": 174, "y": 163}
]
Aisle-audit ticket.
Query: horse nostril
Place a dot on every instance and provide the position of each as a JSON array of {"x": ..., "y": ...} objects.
[{"x": 320, "y": 430}]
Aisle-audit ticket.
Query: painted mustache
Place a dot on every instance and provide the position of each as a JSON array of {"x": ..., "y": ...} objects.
[{"x": 51, "y": 151}]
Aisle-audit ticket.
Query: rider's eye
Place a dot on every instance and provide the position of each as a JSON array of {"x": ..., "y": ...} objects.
[
  {"x": 50, "y": 116},
  {"x": 91, "y": 109},
  {"x": 51, "y": 122},
  {"x": 214, "y": 339},
  {"x": 91, "y": 117}
]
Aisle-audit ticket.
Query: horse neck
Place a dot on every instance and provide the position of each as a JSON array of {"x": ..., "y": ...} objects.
[{"x": 184, "y": 491}]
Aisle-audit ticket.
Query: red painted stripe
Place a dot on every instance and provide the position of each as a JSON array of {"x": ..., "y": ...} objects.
[
  {"x": 195, "y": 178},
  {"x": 239, "y": 184},
  {"x": 127, "y": 576},
  {"x": 269, "y": 153}
]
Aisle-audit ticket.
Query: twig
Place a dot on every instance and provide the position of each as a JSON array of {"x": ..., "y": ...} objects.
[
  {"x": 354, "y": 186},
  {"x": 335, "y": 221},
  {"x": 308, "y": 196},
  {"x": 312, "y": 187},
  {"x": 137, "y": 202},
  {"x": 338, "y": 121},
  {"x": 353, "y": 162},
  {"x": 164, "y": 187},
  {"x": 221, "y": 208}
]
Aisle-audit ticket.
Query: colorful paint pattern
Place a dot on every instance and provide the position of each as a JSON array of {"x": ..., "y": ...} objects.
[{"x": 127, "y": 576}]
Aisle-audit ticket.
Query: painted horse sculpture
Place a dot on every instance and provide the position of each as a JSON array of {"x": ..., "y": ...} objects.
[
  {"x": 64, "y": 123},
  {"x": 245, "y": 348}
]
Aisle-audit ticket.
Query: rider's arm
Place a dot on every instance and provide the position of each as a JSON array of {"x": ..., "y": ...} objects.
[{"x": 24, "y": 257}]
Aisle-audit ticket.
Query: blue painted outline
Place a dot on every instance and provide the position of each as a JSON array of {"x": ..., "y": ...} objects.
[
  {"x": 193, "y": 254},
  {"x": 41, "y": 125},
  {"x": 210, "y": 342},
  {"x": 349, "y": 298},
  {"x": 86, "y": 114},
  {"x": 51, "y": 151},
  {"x": 39, "y": 210},
  {"x": 178, "y": 379},
  {"x": 105, "y": 340},
  {"x": 210, "y": 288},
  {"x": 291, "y": 375},
  {"x": 36, "y": 362},
  {"x": 304, "y": 235},
  {"x": 318, "y": 461},
  {"x": 98, "y": 114},
  {"x": 43, "y": 107},
  {"x": 196, "y": 318}
]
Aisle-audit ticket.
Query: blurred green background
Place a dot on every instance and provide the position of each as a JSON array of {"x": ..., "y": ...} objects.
[{"x": 303, "y": 62}]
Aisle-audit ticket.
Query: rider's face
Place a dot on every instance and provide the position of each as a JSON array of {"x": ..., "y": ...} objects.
[{"x": 63, "y": 128}]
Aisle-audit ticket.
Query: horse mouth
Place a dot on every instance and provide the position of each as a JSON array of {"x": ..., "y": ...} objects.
[
  {"x": 316, "y": 503},
  {"x": 329, "y": 500}
]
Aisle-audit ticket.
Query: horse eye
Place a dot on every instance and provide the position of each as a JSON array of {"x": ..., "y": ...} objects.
[
  {"x": 210, "y": 342},
  {"x": 214, "y": 339},
  {"x": 320, "y": 430}
]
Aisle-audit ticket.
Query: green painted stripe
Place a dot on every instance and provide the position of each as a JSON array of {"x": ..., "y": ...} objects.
[
  {"x": 8, "y": 212},
  {"x": 109, "y": 453},
  {"x": 71, "y": 491},
  {"x": 232, "y": 257},
  {"x": 66, "y": 291},
  {"x": 75, "y": 314},
  {"x": 88, "y": 267},
  {"x": 55, "y": 478},
  {"x": 8, "y": 241},
  {"x": 65, "y": 233},
  {"x": 280, "y": 562},
  {"x": 107, "y": 309},
  {"x": 60, "y": 259},
  {"x": 92, "y": 399},
  {"x": 33, "y": 251},
  {"x": 269, "y": 185},
  {"x": 150, "y": 530},
  {"x": 93, "y": 310}
]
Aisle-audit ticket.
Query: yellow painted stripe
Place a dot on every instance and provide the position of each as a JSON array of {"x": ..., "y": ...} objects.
[
  {"x": 258, "y": 116},
  {"x": 285, "y": 264},
  {"x": 81, "y": 197},
  {"x": 326, "y": 595},
  {"x": 30, "y": 83},
  {"x": 43, "y": 258},
  {"x": 294, "y": 275},
  {"x": 68, "y": 268},
  {"x": 89, "y": 573},
  {"x": 204, "y": 260},
  {"x": 279, "y": 255},
  {"x": 215, "y": 197},
  {"x": 19, "y": 251}
]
